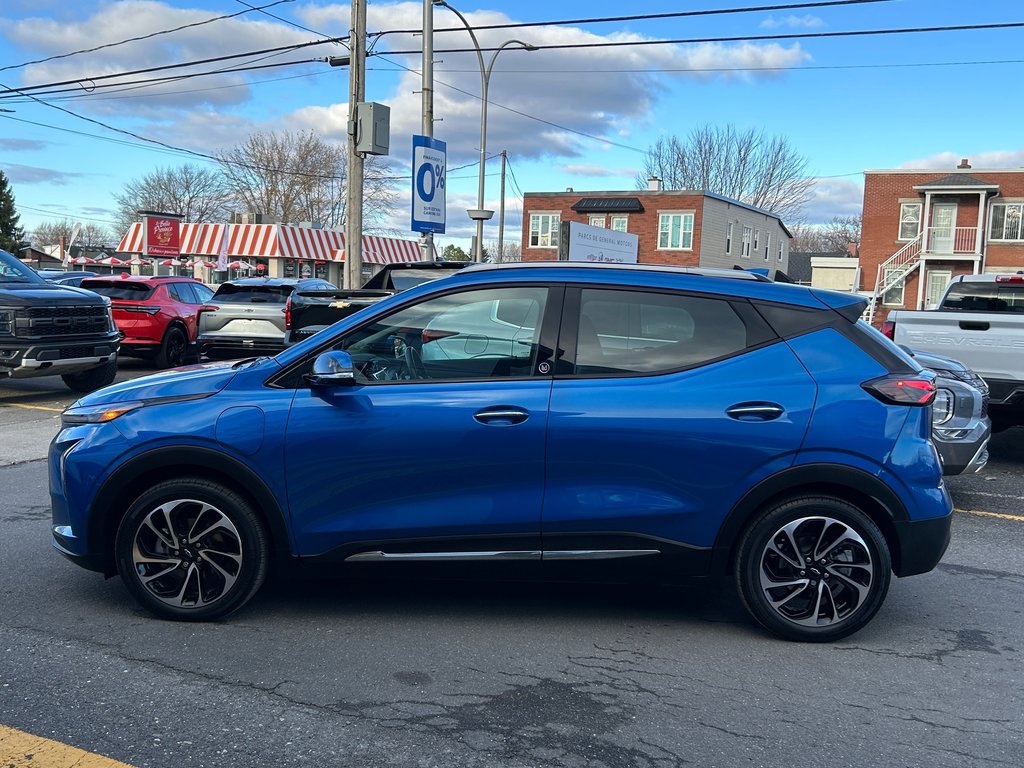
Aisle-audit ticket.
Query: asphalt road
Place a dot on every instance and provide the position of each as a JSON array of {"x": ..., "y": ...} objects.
[{"x": 368, "y": 672}]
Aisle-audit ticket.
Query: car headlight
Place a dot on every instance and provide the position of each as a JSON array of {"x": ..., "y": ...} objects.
[
  {"x": 97, "y": 414},
  {"x": 943, "y": 406}
]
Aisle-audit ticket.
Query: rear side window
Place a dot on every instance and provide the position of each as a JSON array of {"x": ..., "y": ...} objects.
[
  {"x": 119, "y": 289},
  {"x": 623, "y": 332},
  {"x": 985, "y": 297},
  {"x": 253, "y": 294}
]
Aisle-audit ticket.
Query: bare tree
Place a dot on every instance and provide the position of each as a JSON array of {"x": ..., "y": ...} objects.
[
  {"x": 90, "y": 235},
  {"x": 510, "y": 251},
  {"x": 198, "y": 194},
  {"x": 749, "y": 166},
  {"x": 301, "y": 177},
  {"x": 835, "y": 236}
]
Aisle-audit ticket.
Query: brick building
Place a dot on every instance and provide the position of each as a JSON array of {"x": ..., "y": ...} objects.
[
  {"x": 923, "y": 227},
  {"x": 680, "y": 227}
]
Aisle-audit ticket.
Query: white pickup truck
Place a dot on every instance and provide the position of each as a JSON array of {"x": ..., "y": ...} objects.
[{"x": 980, "y": 322}]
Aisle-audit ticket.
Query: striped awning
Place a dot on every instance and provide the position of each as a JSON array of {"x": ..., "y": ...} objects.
[{"x": 388, "y": 250}]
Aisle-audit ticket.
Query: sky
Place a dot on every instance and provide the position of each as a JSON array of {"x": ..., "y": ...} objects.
[{"x": 579, "y": 117}]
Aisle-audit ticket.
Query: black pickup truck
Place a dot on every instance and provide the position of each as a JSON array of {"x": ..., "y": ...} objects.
[
  {"x": 51, "y": 330},
  {"x": 308, "y": 312}
]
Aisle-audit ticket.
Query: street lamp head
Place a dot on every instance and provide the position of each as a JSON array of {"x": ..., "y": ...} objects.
[{"x": 528, "y": 47}]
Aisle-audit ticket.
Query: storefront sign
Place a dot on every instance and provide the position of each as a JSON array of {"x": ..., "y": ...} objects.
[
  {"x": 597, "y": 244},
  {"x": 160, "y": 235}
]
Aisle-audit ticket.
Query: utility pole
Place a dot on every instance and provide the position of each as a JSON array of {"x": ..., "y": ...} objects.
[
  {"x": 427, "y": 92},
  {"x": 354, "y": 182},
  {"x": 501, "y": 211}
]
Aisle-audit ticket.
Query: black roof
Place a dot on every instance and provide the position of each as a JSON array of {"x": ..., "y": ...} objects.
[
  {"x": 609, "y": 205},
  {"x": 957, "y": 180}
]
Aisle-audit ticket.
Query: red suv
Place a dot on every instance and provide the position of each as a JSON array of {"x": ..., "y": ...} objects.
[{"x": 157, "y": 315}]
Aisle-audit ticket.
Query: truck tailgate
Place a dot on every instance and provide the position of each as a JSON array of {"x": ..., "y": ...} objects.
[{"x": 989, "y": 343}]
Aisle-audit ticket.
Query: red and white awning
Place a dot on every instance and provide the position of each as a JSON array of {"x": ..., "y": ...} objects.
[{"x": 388, "y": 250}]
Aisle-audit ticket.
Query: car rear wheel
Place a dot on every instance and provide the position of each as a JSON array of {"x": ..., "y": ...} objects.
[
  {"x": 173, "y": 350},
  {"x": 814, "y": 568},
  {"x": 192, "y": 550}
]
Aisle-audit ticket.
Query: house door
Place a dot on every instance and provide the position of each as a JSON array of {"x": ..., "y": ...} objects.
[
  {"x": 943, "y": 227},
  {"x": 938, "y": 279}
]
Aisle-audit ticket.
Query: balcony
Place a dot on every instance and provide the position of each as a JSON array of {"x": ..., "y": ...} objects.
[{"x": 952, "y": 241}]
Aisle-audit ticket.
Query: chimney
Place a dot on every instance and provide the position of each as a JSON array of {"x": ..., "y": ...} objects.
[
  {"x": 654, "y": 184},
  {"x": 964, "y": 165}
]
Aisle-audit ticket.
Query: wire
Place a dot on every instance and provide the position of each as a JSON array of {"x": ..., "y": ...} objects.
[
  {"x": 282, "y": 19},
  {"x": 734, "y": 39},
  {"x": 144, "y": 37},
  {"x": 65, "y": 215}
]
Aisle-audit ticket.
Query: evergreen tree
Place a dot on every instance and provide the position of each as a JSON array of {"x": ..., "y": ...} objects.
[{"x": 11, "y": 234}]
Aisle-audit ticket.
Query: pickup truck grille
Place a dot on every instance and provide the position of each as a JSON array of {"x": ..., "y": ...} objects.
[{"x": 49, "y": 322}]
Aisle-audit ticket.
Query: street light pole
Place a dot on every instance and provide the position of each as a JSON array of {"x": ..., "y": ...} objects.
[{"x": 479, "y": 214}]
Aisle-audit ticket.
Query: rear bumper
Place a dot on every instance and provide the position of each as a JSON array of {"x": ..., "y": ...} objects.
[{"x": 922, "y": 543}]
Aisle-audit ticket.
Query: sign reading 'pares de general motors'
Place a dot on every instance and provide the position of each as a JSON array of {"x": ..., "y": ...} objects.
[{"x": 160, "y": 234}]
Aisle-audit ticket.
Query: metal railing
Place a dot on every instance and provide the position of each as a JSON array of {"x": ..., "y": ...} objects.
[
  {"x": 953, "y": 240},
  {"x": 892, "y": 271}
]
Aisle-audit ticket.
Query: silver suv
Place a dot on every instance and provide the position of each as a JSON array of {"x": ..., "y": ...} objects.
[{"x": 246, "y": 317}]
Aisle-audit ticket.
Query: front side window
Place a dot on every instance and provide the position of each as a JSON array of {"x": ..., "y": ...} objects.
[
  {"x": 675, "y": 231},
  {"x": 636, "y": 332},
  {"x": 1006, "y": 221},
  {"x": 544, "y": 230},
  {"x": 910, "y": 220},
  {"x": 481, "y": 334}
]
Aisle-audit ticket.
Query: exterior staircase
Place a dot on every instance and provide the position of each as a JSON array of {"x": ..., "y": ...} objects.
[{"x": 892, "y": 272}]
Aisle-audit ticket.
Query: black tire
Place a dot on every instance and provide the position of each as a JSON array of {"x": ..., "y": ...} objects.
[
  {"x": 94, "y": 378},
  {"x": 191, "y": 550},
  {"x": 831, "y": 595},
  {"x": 173, "y": 349}
]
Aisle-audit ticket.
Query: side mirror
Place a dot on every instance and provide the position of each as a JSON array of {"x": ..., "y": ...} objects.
[{"x": 332, "y": 369}]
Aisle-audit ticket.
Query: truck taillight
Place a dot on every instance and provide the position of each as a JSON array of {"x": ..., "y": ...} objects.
[
  {"x": 889, "y": 329},
  {"x": 288, "y": 314},
  {"x": 1018, "y": 278},
  {"x": 902, "y": 390}
]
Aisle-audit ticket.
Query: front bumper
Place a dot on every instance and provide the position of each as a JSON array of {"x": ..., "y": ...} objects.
[
  {"x": 967, "y": 452},
  {"x": 29, "y": 359},
  {"x": 922, "y": 543},
  {"x": 227, "y": 347}
]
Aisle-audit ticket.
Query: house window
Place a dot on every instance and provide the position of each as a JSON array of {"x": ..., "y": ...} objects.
[
  {"x": 1006, "y": 221},
  {"x": 747, "y": 233},
  {"x": 619, "y": 223},
  {"x": 768, "y": 246},
  {"x": 596, "y": 221},
  {"x": 544, "y": 230},
  {"x": 757, "y": 236},
  {"x": 728, "y": 238},
  {"x": 675, "y": 231},
  {"x": 782, "y": 249},
  {"x": 894, "y": 296},
  {"x": 910, "y": 220}
]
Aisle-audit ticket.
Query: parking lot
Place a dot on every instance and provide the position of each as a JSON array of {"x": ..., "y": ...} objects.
[{"x": 430, "y": 672}]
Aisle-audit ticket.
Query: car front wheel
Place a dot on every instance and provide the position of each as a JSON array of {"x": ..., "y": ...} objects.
[
  {"x": 191, "y": 549},
  {"x": 815, "y": 568}
]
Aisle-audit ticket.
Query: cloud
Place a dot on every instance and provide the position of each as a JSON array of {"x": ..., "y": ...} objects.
[
  {"x": 999, "y": 158},
  {"x": 589, "y": 169},
  {"x": 792, "y": 22},
  {"x": 833, "y": 197},
  {"x": 17, "y": 145},
  {"x": 30, "y": 174}
]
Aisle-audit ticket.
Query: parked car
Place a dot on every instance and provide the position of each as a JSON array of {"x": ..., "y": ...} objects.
[
  {"x": 980, "y": 320},
  {"x": 61, "y": 277},
  {"x": 666, "y": 421},
  {"x": 157, "y": 315},
  {"x": 310, "y": 311},
  {"x": 960, "y": 424},
  {"x": 53, "y": 330},
  {"x": 247, "y": 316}
]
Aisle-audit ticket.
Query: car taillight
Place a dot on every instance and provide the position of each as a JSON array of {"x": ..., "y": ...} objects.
[
  {"x": 902, "y": 390},
  {"x": 288, "y": 314},
  {"x": 207, "y": 308},
  {"x": 888, "y": 329}
]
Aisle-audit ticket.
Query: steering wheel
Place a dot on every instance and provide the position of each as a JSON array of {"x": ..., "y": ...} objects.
[{"x": 414, "y": 363}]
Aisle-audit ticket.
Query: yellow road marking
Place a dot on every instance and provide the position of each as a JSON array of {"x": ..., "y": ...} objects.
[
  {"x": 21, "y": 750},
  {"x": 1000, "y": 515},
  {"x": 31, "y": 407}
]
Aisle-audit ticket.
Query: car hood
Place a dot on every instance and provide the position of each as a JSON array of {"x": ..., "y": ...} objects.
[
  {"x": 34, "y": 294},
  {"x": 934, "y": 362},
  {"x": 190, "y": 381}
]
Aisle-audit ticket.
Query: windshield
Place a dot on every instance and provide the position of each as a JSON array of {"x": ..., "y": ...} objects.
[
  {"x": 985, "y": 297},
  {"x": 253, "y": 294},
  {"x": 13, "y": 271},
  {"x": 119, "y": 289}
]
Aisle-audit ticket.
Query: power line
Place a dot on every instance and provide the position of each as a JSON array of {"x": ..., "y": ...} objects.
[
  {"x": 737, "y": 38},
  {"x": 144, "y": 37},
  {"x": 281, "y": 18}
]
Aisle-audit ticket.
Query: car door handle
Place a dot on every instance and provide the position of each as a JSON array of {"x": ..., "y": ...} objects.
[
  {"x": 501, "y": 415},
  {"x": 973, "y": 325},
  {"x": 755, "y": 411}
]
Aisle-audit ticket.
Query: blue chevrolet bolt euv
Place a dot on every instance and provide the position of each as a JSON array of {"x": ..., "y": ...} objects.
[{"x": 554, "y": 418}]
